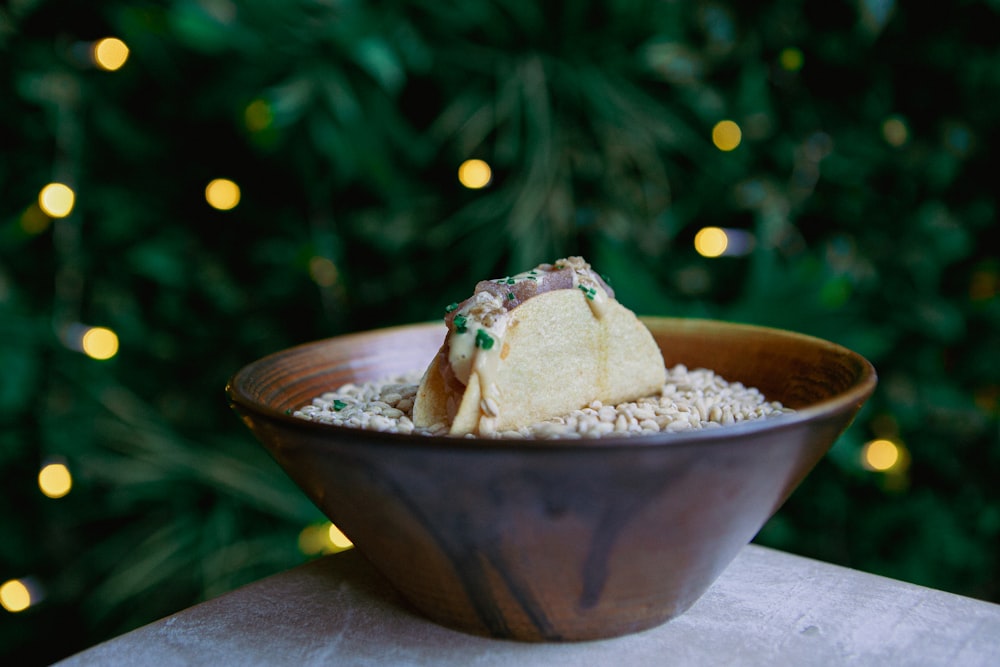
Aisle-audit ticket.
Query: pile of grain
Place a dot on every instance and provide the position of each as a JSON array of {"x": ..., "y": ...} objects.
[{"x": 690, "y": 400}]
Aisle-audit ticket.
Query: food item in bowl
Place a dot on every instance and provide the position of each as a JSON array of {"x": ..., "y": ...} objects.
[
  {"x": 688, "y": 400},
  {"x": 534, "y": 346}
]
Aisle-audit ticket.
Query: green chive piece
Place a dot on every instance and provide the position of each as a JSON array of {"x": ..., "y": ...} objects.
[
  {"x": 511, "y": 281},
  {"x": 483, "y": 339},
  {"x": 339, "y": 405},
  {"x": 460, "y": 323},
  {"x": 510, "y": 296},
  {"x": 288, "y": 411},
  {"x": 450, "y": 307}
]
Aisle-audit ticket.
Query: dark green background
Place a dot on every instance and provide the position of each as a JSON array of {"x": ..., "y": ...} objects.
[{"x": 596, "y": 117}]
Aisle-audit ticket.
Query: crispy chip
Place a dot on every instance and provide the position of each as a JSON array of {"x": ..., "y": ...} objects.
[{"x": 558, "y": 354}]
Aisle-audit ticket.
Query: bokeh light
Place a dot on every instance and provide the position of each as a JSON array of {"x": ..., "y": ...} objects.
[
  {"x": 15, "y": 595},
  {"x": 109, "y": 53},
  {"x": 323, "y": 271},
  {"x": 222, "y": 194},
  {"x": 711, "y": 241},
  {"x": 323, "y": 538},
  {"x": 719, "y": 241},
  {"x": 258, "y": 115},
  {"x": 338, "y": 539},
  {"x": 55, "y": 480},
  {"x": 726, "y": 135},
  {"x": 34, "y": 221},
  {"x": 475, "y": 174},
  {"x": 99, "y": 343},
  {"x": 880, "y": 455},
  {"x": 895, "y": 132},
  {"x": 791, "y": 59},
  {"x": 57, "y": 200},
  {"x": 984, "y": 284}
]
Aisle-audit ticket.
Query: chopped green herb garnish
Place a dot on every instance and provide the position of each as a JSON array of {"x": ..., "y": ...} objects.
[
  {"x": 288, "y": 411},
  {"x": 510, "y": 296},
  {"x": 450, "y": 307},
  {"x": 511, "y": 281},
  {"x": 533, "y": 278},
  {"x": 483, "y": 339},
  {"x": 589, "y": 291},
  {"x": 461, "y": 322},
  {"x": 339, "y": 405}
]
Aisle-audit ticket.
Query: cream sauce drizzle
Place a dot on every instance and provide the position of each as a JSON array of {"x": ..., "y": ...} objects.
[{"x": 484, "y": 315}]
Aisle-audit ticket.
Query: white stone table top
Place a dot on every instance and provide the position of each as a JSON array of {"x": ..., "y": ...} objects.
[{"x": 768, "y": 608}]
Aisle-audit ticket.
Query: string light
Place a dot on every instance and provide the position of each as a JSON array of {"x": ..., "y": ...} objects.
[
  {"x": 475, "y": 174},
  {"x": 99, "y": 343},
  {"x": 324, "y": 538},
  {"x": 881, "y": 455},
  {"x": 323, "y": 271},
  {"x": 338, "y": 539},
  {"x": 710, "y": 241},
  {"x": 984, "y": 284},
  {"x": 34, "y": 220},
  {"x": 109, "y": 53},
  {"x": 222, "y": 194},
  {"x": 791, "y": 59},
  {"x": 56, "y": 200},
  {"x": 258, "y": 116},
  {"x": 895, "y": 132},
  {"x": 15, "y": 595},
  {"x": 726, "y": 135},
  {"x": 55, "y": 480},
  {"x": 719, "y": 241}
]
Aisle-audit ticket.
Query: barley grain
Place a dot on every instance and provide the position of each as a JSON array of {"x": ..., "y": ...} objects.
[{"x": 689, "y": 400}]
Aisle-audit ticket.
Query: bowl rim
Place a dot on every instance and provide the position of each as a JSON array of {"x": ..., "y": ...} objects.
[{"x": 855, "y": 396}]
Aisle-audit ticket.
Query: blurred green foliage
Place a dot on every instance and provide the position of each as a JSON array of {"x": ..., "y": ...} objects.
[{"x": 865, "y": 176}]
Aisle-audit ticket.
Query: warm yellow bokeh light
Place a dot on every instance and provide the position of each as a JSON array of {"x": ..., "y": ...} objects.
[
  {"x": 338, "y": 539},
  {"x": 15, "y": 596},
  {"x": 475, "y": 174},
  {"x": 323, "y": 271},
  {"x": 726, "y": 135},
  {"x": 222, "y": 194},
  {"x": 880, "y": 455},
  {"x": 258, "y": 115},
  {"x": 323, "y": 538},
  {"x": 55, "y": 480},
  {"x": 791, "y": 59},
  {"x": 711, "y": 241},
  {"x": 57, "y": 200},
  {"x": 310, "y": 541},
  {"x": 34, "y": 220},
  {"x": 895, "y": 132},
  {"x": 99, "y": 343},
  {"x": 109, "y": 53}
]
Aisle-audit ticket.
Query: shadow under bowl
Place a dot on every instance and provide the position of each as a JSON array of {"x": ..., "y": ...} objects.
[{"x": 555, "y": 540}]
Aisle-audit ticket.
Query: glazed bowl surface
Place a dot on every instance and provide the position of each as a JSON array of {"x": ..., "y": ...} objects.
[{"x": 555, "y": 540}]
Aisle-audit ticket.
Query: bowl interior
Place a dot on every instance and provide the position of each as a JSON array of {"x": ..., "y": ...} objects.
[{"x": 800, "y": 371}]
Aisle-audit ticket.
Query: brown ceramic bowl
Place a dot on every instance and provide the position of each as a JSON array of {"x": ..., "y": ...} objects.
[{"x": 555, "y": 540}]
